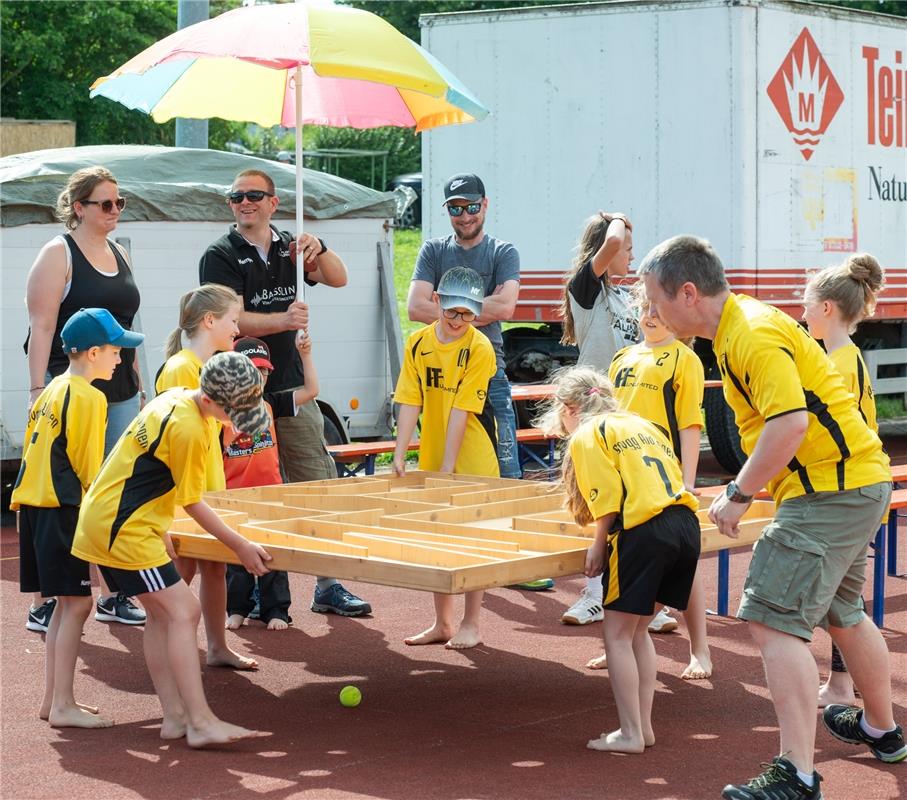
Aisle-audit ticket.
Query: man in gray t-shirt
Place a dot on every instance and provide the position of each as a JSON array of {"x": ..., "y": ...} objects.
[{"x": 499, "y": 265}]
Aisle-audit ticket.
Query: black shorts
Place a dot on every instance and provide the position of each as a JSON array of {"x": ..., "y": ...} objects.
[
  {"x": 46, "y": 564},
  {"x": 652, "y": 563},
  {"x": 134, "y": 582}
]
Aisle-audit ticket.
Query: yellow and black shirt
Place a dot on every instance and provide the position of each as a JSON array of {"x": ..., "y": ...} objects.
[
  {"x": 440, "y": 377},
  {"x": 662, "y": 384},
  {"x": 64, "y": 444},
  {"x": 625, "y": 464},
  {"x": 849, "y": 362},
  {"x": 158, "y": 463},
  {"x": 185, "y": 369},
  {"x": 770, "y": 366}
]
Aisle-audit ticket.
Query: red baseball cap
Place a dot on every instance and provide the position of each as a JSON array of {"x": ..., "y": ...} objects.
[{"x": 256, "y": 350}]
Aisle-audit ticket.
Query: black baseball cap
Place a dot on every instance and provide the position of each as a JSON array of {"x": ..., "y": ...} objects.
[{"x": 463, "y": 186}]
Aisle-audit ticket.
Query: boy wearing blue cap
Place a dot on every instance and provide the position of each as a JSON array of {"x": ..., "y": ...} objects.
[{"x": 63, "y": 451}]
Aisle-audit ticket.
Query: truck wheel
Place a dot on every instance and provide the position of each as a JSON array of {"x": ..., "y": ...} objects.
[
  {"x": 332, "y": 434},
  {"x": 724, "y": 438}
]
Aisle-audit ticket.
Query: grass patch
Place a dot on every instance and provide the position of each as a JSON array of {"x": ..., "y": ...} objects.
[
  {"x": 889, "y": 406},
  {"x": 406, "y": 247}
]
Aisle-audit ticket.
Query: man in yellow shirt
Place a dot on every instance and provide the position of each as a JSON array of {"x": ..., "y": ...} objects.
[{"x": 807, "y": 443}]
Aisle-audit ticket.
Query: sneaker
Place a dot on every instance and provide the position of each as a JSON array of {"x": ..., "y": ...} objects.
[
  {"x": 39, "y": 618},
  {"x": 541, "y": 585},
  {"x": 255, "y": 613},
  {"x": 585, "y": 610},
  {"x": 338, "y": 600},
  {"x": 843, "y": 722},
  {"x": 779, "y": 781},
  {"x": 118, "y": 608},
  {"x": 662, "y": 622}
]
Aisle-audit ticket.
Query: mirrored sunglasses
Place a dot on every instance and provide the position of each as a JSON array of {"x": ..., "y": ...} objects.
[
  {"x": 255, "y": 196},
  {"x": 457, "y": 211},
  {"x": 106, "y": 205}
]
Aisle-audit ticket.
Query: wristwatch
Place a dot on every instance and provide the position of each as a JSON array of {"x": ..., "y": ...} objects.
[{"x": 735, "y": 495}]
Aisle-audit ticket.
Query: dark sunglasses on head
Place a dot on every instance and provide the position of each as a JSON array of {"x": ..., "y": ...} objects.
[
  {"x": 106, "y": 205},
  {"x": 255, "y": 196},
  {"x": 457, "y": 211}
]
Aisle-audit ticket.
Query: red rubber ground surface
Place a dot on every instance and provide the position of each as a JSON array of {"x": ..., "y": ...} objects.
[{"x": 508, "y": 719}]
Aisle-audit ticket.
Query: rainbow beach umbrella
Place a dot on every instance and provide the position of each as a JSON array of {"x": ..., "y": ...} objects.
[{"x": 291, "y": 64}]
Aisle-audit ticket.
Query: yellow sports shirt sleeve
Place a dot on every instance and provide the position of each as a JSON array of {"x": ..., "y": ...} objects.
[
  {"x": 596, "y": 476},
  {"x": 481, "y": 367},
  {"x": 189, "y": 450},
  {"x": 409, "y": 387},
  {"x": 690, "y": 385}
]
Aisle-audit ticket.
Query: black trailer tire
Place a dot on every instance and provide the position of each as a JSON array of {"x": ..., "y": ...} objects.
[{"x": 724, "y": 438}]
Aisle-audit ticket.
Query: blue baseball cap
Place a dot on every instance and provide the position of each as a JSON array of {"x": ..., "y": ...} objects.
[{"x": 95, "y": 327}]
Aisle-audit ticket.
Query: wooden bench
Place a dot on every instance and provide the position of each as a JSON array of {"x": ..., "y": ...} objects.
[{"x": 362, "y": 455}]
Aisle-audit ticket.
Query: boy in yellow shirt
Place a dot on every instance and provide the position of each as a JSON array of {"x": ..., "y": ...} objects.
[
  {"x": 64, "y": 447},
  {"x": 446, "y": 369},
  {"x": 159, "y": 463}
]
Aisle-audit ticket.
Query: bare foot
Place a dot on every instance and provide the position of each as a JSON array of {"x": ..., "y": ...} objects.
[
  {"x": 277, "y": 624},
  {"x": 173, "y": 728},
  {"x": 229, "y": 658},
  {"x": 833, "y": 692},
  {"x": 235, "y": 622},
  {"x": 75, "y": 717},
  {"x": 599, "y": 662},
  {"x": 436, "y": 634},
  {"x": 617, "y": 742},
  {"x": 648, "y": 737},
  {"x": 219, "y": 732},
  {"x": 45, "y": 714},
  {"x": 699, "y": 668},
  {"x": 468, "y": 636}
]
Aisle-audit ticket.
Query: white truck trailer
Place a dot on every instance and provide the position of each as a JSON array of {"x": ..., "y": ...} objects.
[
  {"x": 775, "y": 129},
  {"x": 175, "y": 208}
]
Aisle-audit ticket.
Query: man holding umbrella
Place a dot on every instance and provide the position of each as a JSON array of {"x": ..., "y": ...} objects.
[{"x": 258, "y": 262}]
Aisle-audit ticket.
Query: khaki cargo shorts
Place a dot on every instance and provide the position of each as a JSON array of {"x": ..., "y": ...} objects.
[
  {"x": 300, "y": 445},
  {"x": 809, "y": 565}
]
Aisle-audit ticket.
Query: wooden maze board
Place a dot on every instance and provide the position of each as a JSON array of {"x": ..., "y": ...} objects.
[{"x": 429, "y": 531}]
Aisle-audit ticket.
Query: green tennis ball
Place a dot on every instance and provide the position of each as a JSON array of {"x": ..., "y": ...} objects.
[{"x": 350, "y": 696}]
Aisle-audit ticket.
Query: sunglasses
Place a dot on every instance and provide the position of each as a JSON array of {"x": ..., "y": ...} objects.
[
  {"x": 255, "y": 196},
  {"x": 457, "y": 211},
  {"x": 466, "y": 316},
  {"x": 106, "y": 205}
]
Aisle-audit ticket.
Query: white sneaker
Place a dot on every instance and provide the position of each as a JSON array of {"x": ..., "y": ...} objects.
[
  {"x": 585, "y": 610},
  {"x": 662, "y": 622}
]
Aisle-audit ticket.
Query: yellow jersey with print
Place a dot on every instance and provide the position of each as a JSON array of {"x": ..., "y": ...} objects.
[
  {"x": 662, "y": 384},
  {"x": 849, "y": 362},
  {"x": 441, "y": 377},
  {"x": 625, "y": 465},
  {"x": 158, "y": 463},
  {"x": 64, "y": 444},
  {"x": 185, "y": 369},
  {"x": 770, "y": 366}
]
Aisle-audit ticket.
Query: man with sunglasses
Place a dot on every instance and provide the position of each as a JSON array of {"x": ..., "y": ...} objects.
[
  {"x": 258, "y": 262},
  {"x": 498, "y": 263}
]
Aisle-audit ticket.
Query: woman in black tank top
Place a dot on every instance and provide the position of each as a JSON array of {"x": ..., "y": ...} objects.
[{"x": 84, "y": 269}]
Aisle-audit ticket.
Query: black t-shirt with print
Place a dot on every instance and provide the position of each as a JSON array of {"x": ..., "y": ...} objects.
[{"x": 265, "y": 289}]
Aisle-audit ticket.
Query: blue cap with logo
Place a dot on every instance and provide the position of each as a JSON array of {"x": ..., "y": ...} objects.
[{"x": 95, "y": 327}]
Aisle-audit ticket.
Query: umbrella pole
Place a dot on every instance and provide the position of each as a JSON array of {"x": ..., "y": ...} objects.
[{"x": 300, "y": 265}]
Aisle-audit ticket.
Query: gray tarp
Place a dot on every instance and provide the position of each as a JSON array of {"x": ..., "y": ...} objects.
[{"x": 173, "y": 183}]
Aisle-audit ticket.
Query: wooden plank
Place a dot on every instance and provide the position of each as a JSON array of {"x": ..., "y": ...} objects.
[
  {"x": 260, "y": 511},
  {"x": 183, "y": 523},
  {"x": 268, "y": 538},
  {"x": 508, "y": 573},
  {"x": 413, "y": 553},
  {"x": 368, "y": 539},
  {"x": 529, "y": 489},
  {"x": 505, "y": 508}
]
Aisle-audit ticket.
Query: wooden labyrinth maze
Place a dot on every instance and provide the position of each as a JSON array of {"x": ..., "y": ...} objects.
[{"x": 429, "y": 531}]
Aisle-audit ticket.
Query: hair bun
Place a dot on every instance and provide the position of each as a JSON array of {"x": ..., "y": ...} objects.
[{"x": 864, "y": 268}]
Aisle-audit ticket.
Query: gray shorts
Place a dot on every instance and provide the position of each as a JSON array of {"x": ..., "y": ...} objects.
[
  {"x": 809, "y": 565},
  {"x": 300, "y": 445}
]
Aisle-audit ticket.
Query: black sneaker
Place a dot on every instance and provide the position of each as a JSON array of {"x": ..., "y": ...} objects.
[
  {"x": 779, "y": 781},
  {"x": 338, "y": 600},
  {"x": 843, "y": 722},
  {"x": 39, "y": 618},
  {"x": 119, "y": 608}
]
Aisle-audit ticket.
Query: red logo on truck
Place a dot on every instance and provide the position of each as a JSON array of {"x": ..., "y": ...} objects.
[{"x": 805, "y": 93}]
